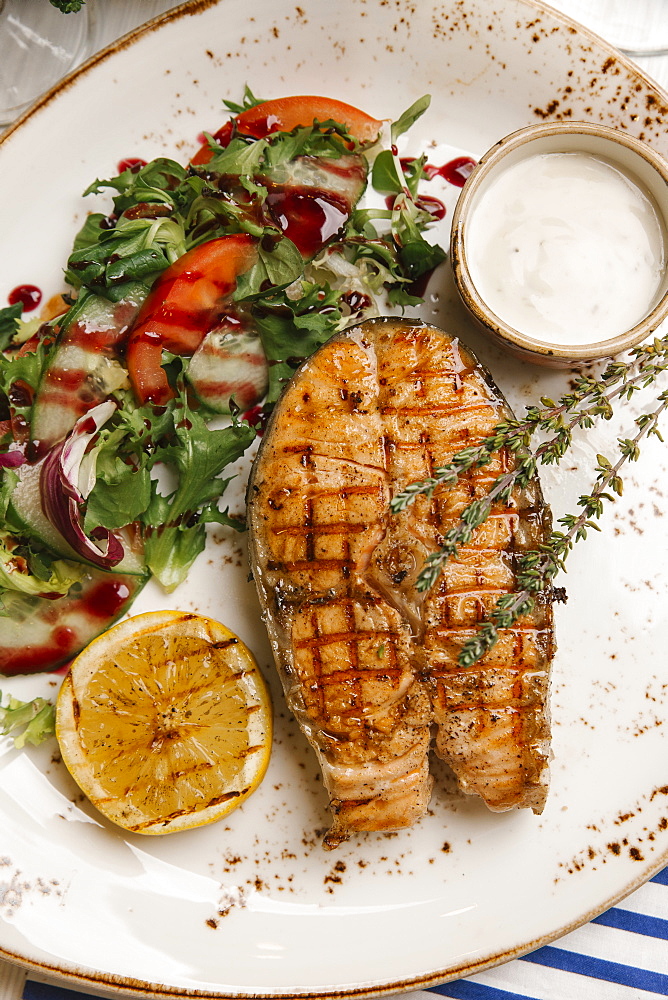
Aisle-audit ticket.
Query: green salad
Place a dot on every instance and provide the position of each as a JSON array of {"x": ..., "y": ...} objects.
[{"x": 189, "y": 306}]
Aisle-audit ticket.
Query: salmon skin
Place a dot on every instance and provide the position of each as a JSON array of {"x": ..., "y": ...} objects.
[{"x": 368, "y": 663}]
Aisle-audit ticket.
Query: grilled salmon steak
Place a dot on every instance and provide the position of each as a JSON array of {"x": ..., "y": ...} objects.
[{"x": 369, "y": 664}]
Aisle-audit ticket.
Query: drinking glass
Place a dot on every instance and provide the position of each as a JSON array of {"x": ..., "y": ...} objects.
[
  {"x": 38, "y": 46},
  {"x": 637, "y": 27}
]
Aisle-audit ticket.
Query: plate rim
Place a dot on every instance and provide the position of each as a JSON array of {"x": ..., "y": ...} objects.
[
  {"x": 118, "y": 985},
  {"x": 111, "y": 984}
]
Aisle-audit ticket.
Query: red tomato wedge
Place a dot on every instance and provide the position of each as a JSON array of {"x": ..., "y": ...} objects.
[
  {"x": 286, "y": 113},
  {"x": 185, "y": 302}
]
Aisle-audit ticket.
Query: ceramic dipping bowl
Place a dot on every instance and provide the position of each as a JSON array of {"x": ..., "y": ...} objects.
[{"x": 559, "y": 242}]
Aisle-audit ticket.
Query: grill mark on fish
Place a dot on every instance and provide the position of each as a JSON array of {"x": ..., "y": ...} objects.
[
  {"x": 335, "y": 528},
  {"x": 368, "y": 663},
  {"x": 297, "y": 449},
  {"x": 425, "y": 412},
  {"x": 352, "y": 635},
  {"x": 353, "y": 674},
  {"x": 319, "y": 565}
]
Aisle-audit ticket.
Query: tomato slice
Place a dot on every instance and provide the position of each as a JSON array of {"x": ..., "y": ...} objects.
[
  {"x": 286, "y": 113},
  {"x": 185, "y": 302}
]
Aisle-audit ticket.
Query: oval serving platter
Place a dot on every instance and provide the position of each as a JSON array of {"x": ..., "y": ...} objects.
[{"x": 253, "y": 906}]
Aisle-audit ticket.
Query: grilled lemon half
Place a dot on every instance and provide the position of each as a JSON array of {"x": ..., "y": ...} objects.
[{"x": 165, "y": 722}]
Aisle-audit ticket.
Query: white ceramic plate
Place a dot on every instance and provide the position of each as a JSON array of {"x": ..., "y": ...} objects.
[{"x": 254, "y": 905}]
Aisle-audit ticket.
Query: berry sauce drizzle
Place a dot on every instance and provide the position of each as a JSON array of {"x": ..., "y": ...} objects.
[
  {"x": 454, "y": 171},
  {"x": 29, "y": 296},
  {"x": 133, "y": 163}
]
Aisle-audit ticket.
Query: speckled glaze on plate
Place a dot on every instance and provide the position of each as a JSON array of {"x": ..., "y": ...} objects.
[{"x": 253, "y": 906}]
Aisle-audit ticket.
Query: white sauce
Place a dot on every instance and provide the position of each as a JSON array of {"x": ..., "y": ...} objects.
[{"x": 566, "y": 249}]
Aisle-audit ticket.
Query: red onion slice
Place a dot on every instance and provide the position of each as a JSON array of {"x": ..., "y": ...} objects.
[
  {"x": 12, "y": 459},
  {"x": 63, "y": 498}
]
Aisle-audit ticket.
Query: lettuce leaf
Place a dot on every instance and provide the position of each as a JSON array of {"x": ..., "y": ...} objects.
[
  {"x": 291, "y": 329},
  {"x": 9, "y": 324},
  {"x": 176, "y": 522},
  {"x": 29, "y": 574},
  {"x": 35, "y": 719}
]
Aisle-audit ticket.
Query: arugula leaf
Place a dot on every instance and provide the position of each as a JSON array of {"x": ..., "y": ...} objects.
[
  {"x": 161, "y": 211},
  {"x": 176, "y": 522},
  {"x": 386, "y": 180},
  {"x": 279, "y": 263},
  {"x": 136, "y": 251},
  {"x": 17, "y": 571},
  {"x": 244, "y": 155},
  {"x": 328, "y": 139},
  {"x": 37, "y": 719},
  {"x": 153, "y": 183},
  {"x": 213, "y": 212},
  {"x": 415, "y": 254},
  {"x": 90, "y": 232},
  {"x": 249, "y": 158},
  {"x": 44, "y": 564},
  {"x": 142, "y": 265},
  {"x": 381, "y": 254},
  {"x": 418, "y": 257},
  {"x": 100, "y": 268},
  {"x": 400, "y": 296},
  {"x": 409, "y": 117},
  {"x": 292, "y": 329},
  {"x": 249, "y": 100},
  {"x": 68, "y": 6}
]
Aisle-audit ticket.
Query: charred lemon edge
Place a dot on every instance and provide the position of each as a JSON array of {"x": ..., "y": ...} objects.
[{"x": 78, "y": 765}]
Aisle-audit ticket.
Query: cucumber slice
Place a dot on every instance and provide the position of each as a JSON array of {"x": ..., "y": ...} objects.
[
  {"x": 38, "y": 634},
  {"x": 25, "y": 509},
  {"x": 229, "y": 363},
  {"x": 344, "y": 176},
  {"x": 313, "y": 197},
  {"x": 83, "y": 369}
]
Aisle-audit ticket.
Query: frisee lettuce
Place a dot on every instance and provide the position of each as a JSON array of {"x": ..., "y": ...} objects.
[
  {"x": 176, "y": 522},
  {"x": 27, "y": 721}
]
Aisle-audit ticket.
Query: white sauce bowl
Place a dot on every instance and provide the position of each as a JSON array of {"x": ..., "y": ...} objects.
[{"x": 559, "y": 242}]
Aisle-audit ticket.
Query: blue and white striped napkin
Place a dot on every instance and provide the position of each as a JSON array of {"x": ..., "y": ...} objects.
[{"x": 620, "y": 955}]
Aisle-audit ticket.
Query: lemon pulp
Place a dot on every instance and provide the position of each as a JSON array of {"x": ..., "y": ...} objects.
[{"x": 165, "y": 722}]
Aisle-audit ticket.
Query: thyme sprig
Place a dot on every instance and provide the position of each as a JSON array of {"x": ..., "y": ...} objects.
[
  {"x": 537, "y": 569},
  {"x": 591, "y": 399}
]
